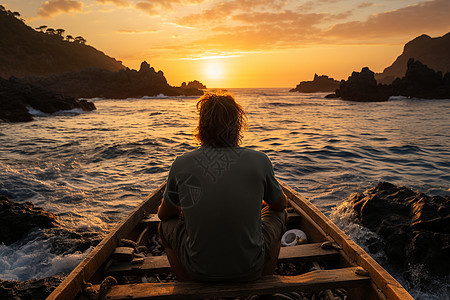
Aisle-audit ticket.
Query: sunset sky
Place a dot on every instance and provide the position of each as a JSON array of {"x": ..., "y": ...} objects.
[{"x": 244, "y": 43}]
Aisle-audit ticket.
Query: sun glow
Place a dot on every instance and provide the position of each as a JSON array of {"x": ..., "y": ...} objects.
[{"x": 214, "y": 71}]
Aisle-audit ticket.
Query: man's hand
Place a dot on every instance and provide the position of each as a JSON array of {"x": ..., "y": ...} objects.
[
  {"x": 279, "y": 205},
  {"x": 168, "y": 211}
]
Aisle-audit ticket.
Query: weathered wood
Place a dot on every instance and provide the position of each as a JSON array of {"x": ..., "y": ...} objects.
[
  {"x": 316, "y": 280},
  {"x": 158, "y": 264},
  {"x": 73, "y": 283},
  {"x": 382, "y": 279}
]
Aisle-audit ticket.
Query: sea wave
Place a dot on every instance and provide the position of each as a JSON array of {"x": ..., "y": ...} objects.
[{"x": 38, "y": 113}]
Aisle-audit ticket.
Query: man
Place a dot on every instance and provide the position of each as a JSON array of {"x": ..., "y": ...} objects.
[{"x": 212, "y": 225}]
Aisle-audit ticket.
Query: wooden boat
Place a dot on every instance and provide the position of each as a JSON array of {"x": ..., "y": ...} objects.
[{"x": 342, "y": 267}]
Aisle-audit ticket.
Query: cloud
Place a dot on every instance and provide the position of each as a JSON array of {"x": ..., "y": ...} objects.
[
  {"x": 55, "y": 7},
  {"x": 131, "y": 31},
  {"x": 116, "y": 2},
  {"x": 221, "y": 11},
  {"x": 413, "y": 19},
  {"x": 365, "y": 5},
  {"x": 153, "y": 7}
]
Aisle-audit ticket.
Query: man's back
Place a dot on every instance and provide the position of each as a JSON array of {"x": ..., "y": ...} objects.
[{"x": 220, "y": 191}]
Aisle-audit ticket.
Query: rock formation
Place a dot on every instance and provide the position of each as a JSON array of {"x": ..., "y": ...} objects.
[
  {"x": 415, "y": 227},
  {"x": 123, "y": 84},
  {"x": 194, "y": 84},
  {"x": 433, "y": 52},
  {"x": 17, "y": 96},
  {"x": 17, "y": 220},
  {"x": 418, "y": 82},
  {"x": 362, "y": 86},
  {"x": 321, "y": 83},
  {"x": 422, "y": 82}
]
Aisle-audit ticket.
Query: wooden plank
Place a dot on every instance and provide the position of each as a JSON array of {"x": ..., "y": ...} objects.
[
  {"x": 73, "y": 283},
  {"x": 158, "y": 264},
  {"x": 153, "y": 219},
  {"x": 316, "y": 280},
  {"x": 382, "y": 279}
]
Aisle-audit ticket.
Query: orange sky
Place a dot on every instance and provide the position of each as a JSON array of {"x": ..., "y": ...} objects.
[{"x": 244, "y": 43}]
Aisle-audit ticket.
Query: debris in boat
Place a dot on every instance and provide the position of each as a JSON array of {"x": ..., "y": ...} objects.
[
  {"x": 90, "y": 291},
  {"x": 127, "y": 243},
  {"x": 142, "y": 249},
  {"x": 293, "y": 237},
  {"x": 361, "y": 271},
  {"x": 123, "y": 254},
  {"x": 107, "y": 283},
  {"x": 330, "y": 245}
]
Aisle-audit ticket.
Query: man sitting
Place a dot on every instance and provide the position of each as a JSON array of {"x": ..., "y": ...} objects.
[{"x": 212, "y": 225}]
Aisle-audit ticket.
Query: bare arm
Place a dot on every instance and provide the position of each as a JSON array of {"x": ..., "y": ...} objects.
[
  {"x": 168, "y": 211},
  {"x": 279, "y": 205}
]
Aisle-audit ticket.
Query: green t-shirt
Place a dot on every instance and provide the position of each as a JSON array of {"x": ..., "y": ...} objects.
[{"x": 220, "y": 191}]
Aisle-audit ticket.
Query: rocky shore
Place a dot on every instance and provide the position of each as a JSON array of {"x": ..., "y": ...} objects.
[
  {"x": 419, "y": 82},
  {"x": 24, "y": 222},
  {"x": 18, "y": 97},
  {"x": 414, "y": 227},
  {"x": 126, "y": 83}
]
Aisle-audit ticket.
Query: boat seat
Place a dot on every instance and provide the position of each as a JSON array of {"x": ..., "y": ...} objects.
[
  {"x": 315, "y": 280},
  {"x": 158, "y": 264}
]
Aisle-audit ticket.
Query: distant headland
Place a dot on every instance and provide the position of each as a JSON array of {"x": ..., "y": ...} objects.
[{"x": 321, "y": 83}]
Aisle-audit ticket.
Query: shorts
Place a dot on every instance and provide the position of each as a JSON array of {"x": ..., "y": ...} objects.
[{"x": 173, "y": 232}]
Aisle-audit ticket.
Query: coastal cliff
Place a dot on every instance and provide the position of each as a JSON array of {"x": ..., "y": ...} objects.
[
  {"x": 25, "y": 51},
  {"x": 433, "y": 52}
]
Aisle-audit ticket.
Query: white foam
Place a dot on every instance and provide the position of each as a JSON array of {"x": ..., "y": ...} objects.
[
  {"x": 398, "y": 98},
  {"x": 38, "y": 113},
  {"x": 34, "y": 260},
  {"x": 159, "y": 96},
  {"x": 35, "y": 112}
]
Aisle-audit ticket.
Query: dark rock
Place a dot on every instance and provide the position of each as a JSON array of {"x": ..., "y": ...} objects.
[
  {"x": 362, "y": 87},
  {"x": 415, "y": 228},
  {"x": 16, "y": 96},
  {"x": 422, "y": 82},
  {"x": 431, "y": 51},
  {"x": 17, "y": 220},
  {"x": 29, "y": 289},
  {"x": 194, "y": 84},
  {"x": 331, "y": 96},
  {"x": 319, "y": 84},
  {"x": 123, "y": 84}
]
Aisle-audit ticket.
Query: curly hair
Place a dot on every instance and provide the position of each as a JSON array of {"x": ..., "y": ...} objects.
[{"x": 221, "y": 120}]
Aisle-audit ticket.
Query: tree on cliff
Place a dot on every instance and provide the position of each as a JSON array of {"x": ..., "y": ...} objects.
[
  {"x": 69, "y": 38},
  {"x": 60, "y": 32},
  {"x": 80, "y": 39},
  {"x": 50, "y": 31},
  {"x": 41, "y": 28}
]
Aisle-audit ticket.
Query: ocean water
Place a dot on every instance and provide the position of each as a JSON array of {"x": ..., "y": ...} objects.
[{"x": 91, "y": 169}]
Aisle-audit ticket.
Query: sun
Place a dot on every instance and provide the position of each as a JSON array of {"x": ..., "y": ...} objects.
[{"x": 213, "y": 70}]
